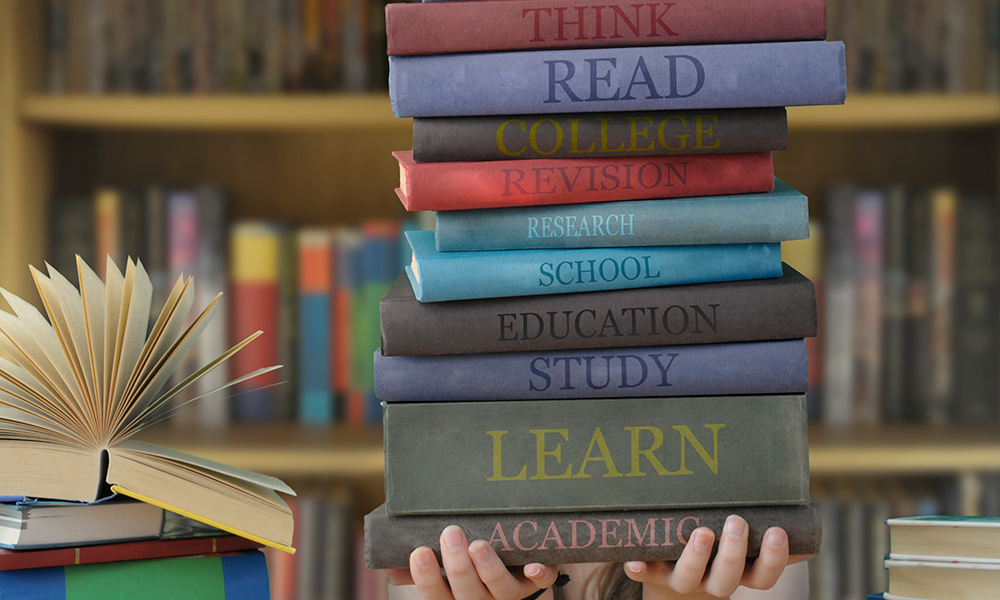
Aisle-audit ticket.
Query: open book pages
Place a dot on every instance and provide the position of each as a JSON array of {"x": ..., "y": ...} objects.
[{"x": 75, "y": 386}]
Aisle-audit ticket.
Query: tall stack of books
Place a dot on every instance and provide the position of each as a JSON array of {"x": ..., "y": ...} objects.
[{"x": 598, "y": 349}]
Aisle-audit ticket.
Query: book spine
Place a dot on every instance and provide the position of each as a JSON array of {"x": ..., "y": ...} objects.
[
  {"x": 442, "y": 276},
  {"x": 868, "y": 229},
  {"x": 942, "y": 298},
  {"x": 107, "y": 229},
  {"x": 894, "y": 306},
  {"x": 618, "y": 79},
  {"x": 107, "y": 553},
  {"x": 776, "y": 367},
  {"x": 778, "y": 216},
  {"x": 521, "y": 455},
  {"x": 599, "y": 135},
  {"x": 435, "y": 28},
  {"x": 212, "y": 275},
  {"x": 917, "y": 328},
  {"x": 315, "y": 291},
  {"x": 460, "y": 185},
  {"x": 765, "y": 309},
  {"x": 348, "y": 254},
  {"x": 183, "y": 240},
  {"x": 575, "y": 537},
  {"x": 838, "y": 315}
]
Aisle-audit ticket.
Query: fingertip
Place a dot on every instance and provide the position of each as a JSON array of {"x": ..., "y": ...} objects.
[
  {"x": 533, "y": 570},
  {"x": 702, "y": 539},
  {"x": 422, "y": 558},
  {"x": 776, "y": 538},
  {"x": 635, "y": 569},
  {"x": 453, "y": 538}
]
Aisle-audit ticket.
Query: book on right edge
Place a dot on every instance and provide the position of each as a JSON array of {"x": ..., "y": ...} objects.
[
  {"x": 575, "y": 537},
  {"x": 618, "y": 79},
  {"x": 604, "y": 454},
  {"x": 706, "y": 313}
]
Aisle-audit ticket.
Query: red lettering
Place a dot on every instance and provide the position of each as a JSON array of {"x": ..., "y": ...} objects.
[
  {"x": 680, "y": 528},
  {"x": 593, "y": 534},
  {"x": 498, "y": 536},
  {"x": 552, "y": 534},
  {"x": 605, "y": 532},
  {"x": 538, "y": 21},
  {"x": 517, "y": 535}
]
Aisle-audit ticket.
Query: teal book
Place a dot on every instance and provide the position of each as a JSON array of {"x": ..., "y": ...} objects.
[
  {"x": 240, "y": 576},
  {"x": 601, "y": 454},
  {"x": 777, "y": 216},
  {"x": 441, "y": 276}
]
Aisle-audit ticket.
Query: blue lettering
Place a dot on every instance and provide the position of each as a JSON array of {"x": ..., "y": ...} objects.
[
  {"x": 559, "y": 278},
  {"x": 532, "y": 227},
  {"x": 542, "y": 374},
  {"x": 554, "y": 81},
  {"x": 638, "y": 268},
  {"x": 548, "y": 274},
  {"x": 614, "y": 264}
]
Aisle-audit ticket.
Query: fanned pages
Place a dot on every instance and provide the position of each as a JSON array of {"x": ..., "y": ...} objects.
[{"x": 76, "y": 385}]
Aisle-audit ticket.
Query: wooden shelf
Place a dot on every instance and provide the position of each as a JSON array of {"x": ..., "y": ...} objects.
[
  {"x": 213, "y": 113},
  {"x": 899, "y": 111}
]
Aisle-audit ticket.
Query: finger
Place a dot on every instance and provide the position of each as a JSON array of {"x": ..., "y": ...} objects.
[
  {"x": 772, "y": 560},
  {"x": 498, "y": 579},
  {"x": 398, "y": 576},
  {"x": 427, "y": 575},
  {"x": 462, "y": 575},
  {"x": 727, "y": 568},
  {"x": 541, "y": 576},
  {"x": 797, "y": 558},
  {"x": 651, "y": 573},
  {"x": 689, "y": 571}
]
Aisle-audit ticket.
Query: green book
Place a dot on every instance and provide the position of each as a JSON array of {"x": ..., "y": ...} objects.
[{"x": 605, "y": 454}]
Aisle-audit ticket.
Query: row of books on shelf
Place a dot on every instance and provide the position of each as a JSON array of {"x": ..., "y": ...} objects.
[
  {"x": 214, "y": 46},
  {"x": 314, "y": 292},
  {"x": 919, "y": 45},
  {"x": 909, "y": 287}
]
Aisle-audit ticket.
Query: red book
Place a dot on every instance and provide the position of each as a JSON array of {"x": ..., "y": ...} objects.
[
  {"x": 450, "y": 27},
  {"x": 493, "y": 184},
  {"x": 141, "y": 550}
]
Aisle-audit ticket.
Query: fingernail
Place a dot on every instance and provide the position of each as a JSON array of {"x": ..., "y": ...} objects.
[
  {"x": 702, "y": 541},
  {"x": 735, "y": 526},
  {"x": 776, "y": 538},
  {"x": 532, "y": 570},
  {"x": 480, "y": 553},
  {"x": 391, "y": 579},
  {"x": 634, "y": 567},
  {"x": 423, "y": 559},
  {"x": 453, "y": 537}
]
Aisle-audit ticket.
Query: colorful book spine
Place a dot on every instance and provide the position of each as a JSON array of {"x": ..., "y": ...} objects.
[
  {"x": 461, "y": 185},
  {"x": 441, "y": 276},
  {"x": 316, "y": 274},
  {"x": 599, "y": 135},
  {"x": 775, "y": 367},
  {"x": 238, "y": 576},
  {"x": 618, "y": 79},
  {"x": 709, "y": 313},
  {"x": 778, "y": 216},
  {"x": 212, "y": 276},
  {"x": 107, "y": 229},
  {"x": 254, "y": 255},
  {"x": 868, "y": 228},
  {"x": 349, "y": 268},
  {"x": 578, "y": 537},
  {"x": 603, "y": 454},
  {"x": 183, "y": 237},
  {"x": 437, "y": 28},
  {"x": 120, "y": 551}
]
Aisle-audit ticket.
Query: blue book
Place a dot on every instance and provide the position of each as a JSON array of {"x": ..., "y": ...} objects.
[
  {"x": 380, "y": 257},
  {"x": 776, "y": 216},
  {"x": 618, "y": 79},
  {"x": 773, "y": 367},
  {"x": 440, "y": 276},
  {"x": 232, "y": 577},
  {"x": 315, "y": 298}
]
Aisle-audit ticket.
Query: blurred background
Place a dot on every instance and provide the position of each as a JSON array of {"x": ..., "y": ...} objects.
[{"x": 247, "y": 142}]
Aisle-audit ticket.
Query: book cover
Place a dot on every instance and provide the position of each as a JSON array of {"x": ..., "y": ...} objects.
[
  {"x": 315, "y": 287},
  {"x": 349, "y": 272},
  {"x": 575, "y": 537},
  {"x": 752, "y": 310},
  {"x": 618, "y": 79},
  {"x": 806, "y": 256},
  {"x": 439, "y": 28},
  {"x": 773, "y": 367},
  {"x": 776, "y": 216},
  {"x": 599, "y": 135},
  {"x": 595, "y": 454},
  {"x": 492, "y": 184},
  {"x": 440, "y": 276},
  {"x": 122, "y": 551},
  {"x": 241, "y": 576}
]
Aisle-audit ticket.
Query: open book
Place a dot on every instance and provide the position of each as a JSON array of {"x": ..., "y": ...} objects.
[{"x": 74, "y": 388}]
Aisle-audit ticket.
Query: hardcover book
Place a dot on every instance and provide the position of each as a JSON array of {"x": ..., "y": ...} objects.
[
  {"x": 492, "y": 184},
  {"x": 575, "y": 537},
  {"x": 618, "y": 79},
  {"x": 603, "y": 454},
  {"x": 78, "y": 385},
  {"x": 437, "y": 28},
  {"x": 440, "y": 276},
  {"x": 709, "y": 313},
  {"x": 599, "y": 135},
  {"x": 121, "y": 551},
  {"x": 772, "y": 367},
  {"x": 776, "y": 216}
]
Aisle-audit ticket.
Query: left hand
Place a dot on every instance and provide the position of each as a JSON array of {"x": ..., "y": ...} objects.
[{"x": 693, "y": 577}]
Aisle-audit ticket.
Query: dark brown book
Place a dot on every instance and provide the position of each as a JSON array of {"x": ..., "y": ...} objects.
[
  {"x": 563, "y": 538},
  {"x": 707, "y": 313}
]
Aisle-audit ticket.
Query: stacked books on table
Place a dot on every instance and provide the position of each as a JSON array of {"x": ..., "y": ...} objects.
[
  {"x": 598, "y": 349},
  {"x": 91, "y": 512}
]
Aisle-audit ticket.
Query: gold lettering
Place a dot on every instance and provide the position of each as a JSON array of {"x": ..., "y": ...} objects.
[
  {"x": 663, "y": 141},
  {"x": 648, "y": 453},
  {"x": 541, "y": 453},
  {"x": 533, "y": 136},
  {"x": 501, "y": 145},
  {"x": 605, "y": 457},
  {"x": 604, "y": 136},
  {"x": 498, "y": 461},
  {"x": 711, "y": 461},
  {"x": 634, "y": 133},
  {"x": 575, "y": 138},
  {"x": 699, "y": 130}
]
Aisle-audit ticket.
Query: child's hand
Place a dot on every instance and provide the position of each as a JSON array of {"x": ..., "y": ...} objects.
[
  {"x": 474, "y": 571},
  {"x": 691, "y": 576}
]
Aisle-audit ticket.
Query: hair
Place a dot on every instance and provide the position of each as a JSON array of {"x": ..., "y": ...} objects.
[{"x": 613, "y": 584}]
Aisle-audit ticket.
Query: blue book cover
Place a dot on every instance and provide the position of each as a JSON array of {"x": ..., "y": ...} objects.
[
  {"x": 773, "y": 367},
  {"x": 315, "y": 393},
  {"x": 233, "y": 577},
  {"x": 440, "y": 276},
  {"x": 618, "y": 79},
  {"x": 380, "y": 257},
  {"x": 776, "y": 216}
]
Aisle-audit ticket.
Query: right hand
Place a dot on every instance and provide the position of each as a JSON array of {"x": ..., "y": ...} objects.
[{"x": 474, "y": 572}]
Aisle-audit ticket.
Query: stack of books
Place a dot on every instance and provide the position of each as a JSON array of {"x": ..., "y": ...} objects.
[
  {"x": 598, "y": 349},
  {"x": 75, "y": 387}
]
